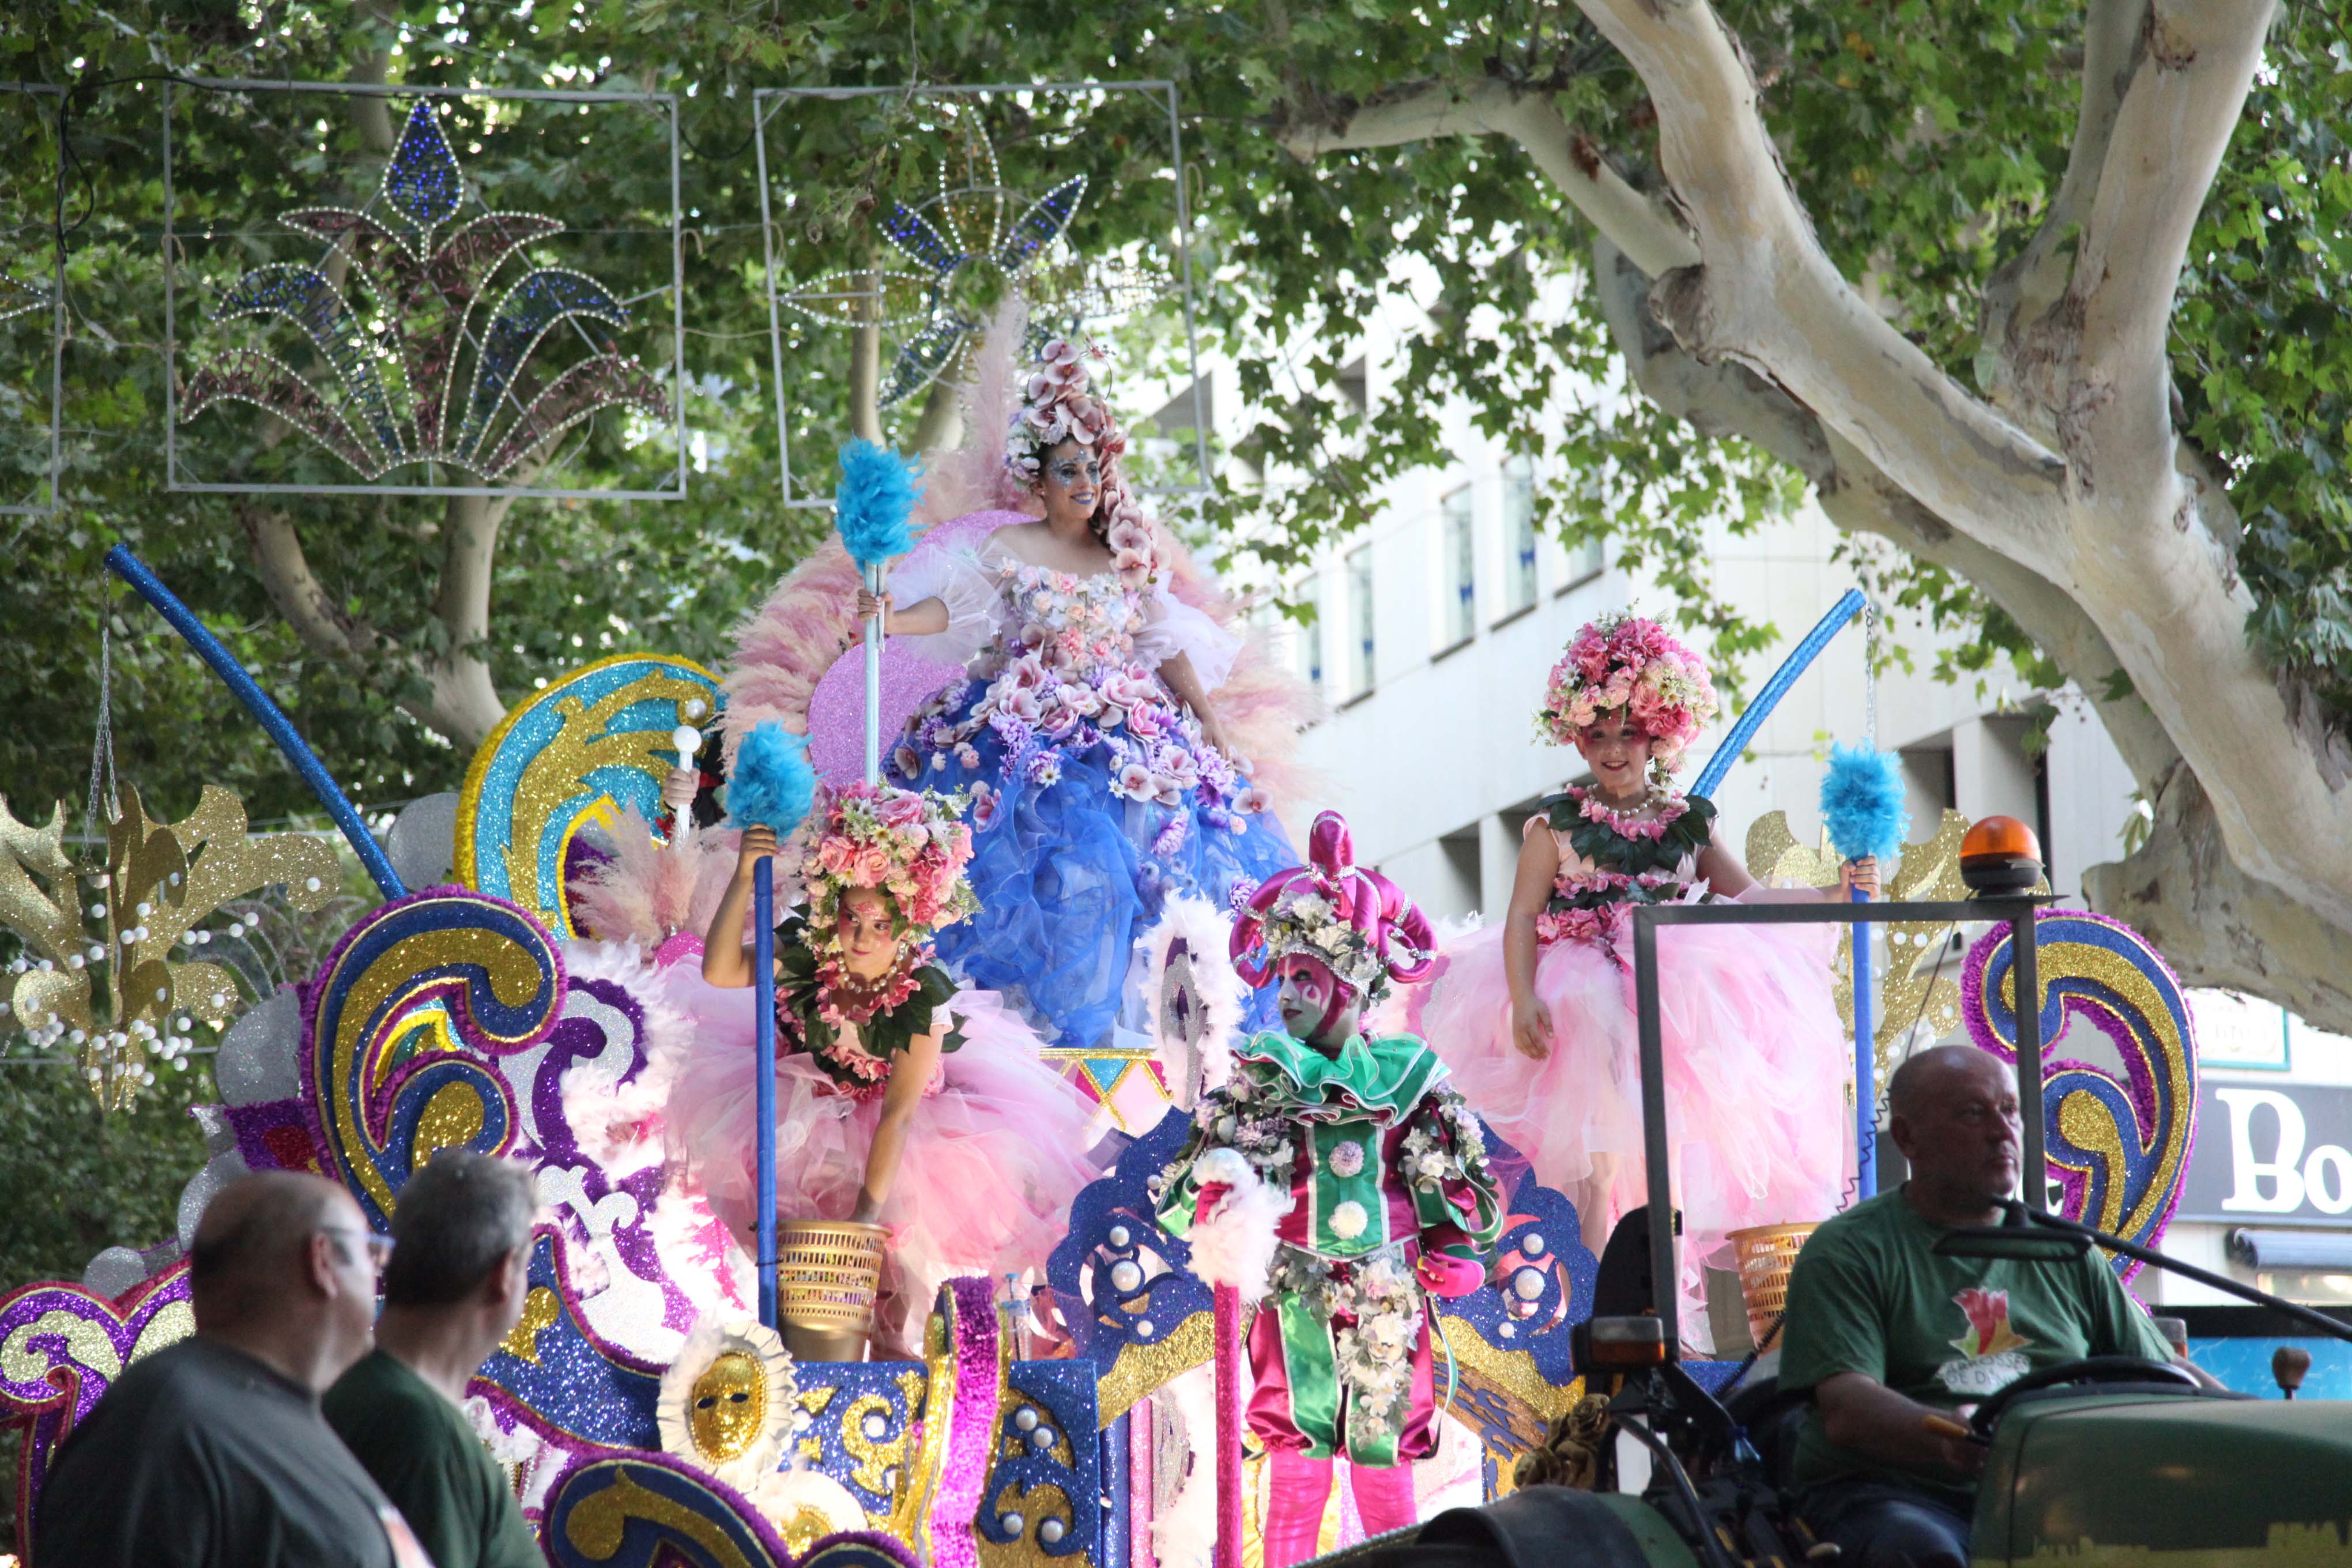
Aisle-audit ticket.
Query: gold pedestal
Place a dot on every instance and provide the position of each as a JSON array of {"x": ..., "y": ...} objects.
[{"x": 828, "y": 1274}]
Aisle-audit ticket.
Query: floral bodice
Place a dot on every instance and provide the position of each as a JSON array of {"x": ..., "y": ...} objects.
[
  {"x": 1077, "y": 626},
  {"x": 1069, "y": 669},
  {"x": 1611, "y": 861}
]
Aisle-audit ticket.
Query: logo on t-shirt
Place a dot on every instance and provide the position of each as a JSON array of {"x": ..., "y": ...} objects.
[{"x": 1992, "y": 1354}]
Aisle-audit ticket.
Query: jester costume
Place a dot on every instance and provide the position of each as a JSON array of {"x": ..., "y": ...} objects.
[
  {"x": 1337, "y": 1175},
  {"x": 1383, "y": 1162}
]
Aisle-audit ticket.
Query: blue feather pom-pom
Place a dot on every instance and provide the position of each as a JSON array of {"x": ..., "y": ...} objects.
[
  {"x": 773, "y": 783},
  {"x": 1862, "y": 803},
  {"x": 878, "y": 492}
]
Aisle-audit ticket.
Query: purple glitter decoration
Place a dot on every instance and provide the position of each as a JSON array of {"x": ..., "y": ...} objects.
[
  {"x": 970, "y": 1307},
  {"x": 62, "y": 1390},
  {"x": 2140, "y": 1104}
]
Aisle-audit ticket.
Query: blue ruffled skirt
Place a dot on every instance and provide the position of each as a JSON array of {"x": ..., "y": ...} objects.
[{"x": 1069, "y": 875}]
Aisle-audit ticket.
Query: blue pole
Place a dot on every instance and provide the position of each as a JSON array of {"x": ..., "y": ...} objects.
[
  {"x": 273, "y": 721},
  {"x": 1866, "y": 1067},
  {"x": 1824, "y": 631},
  {"x": 764, "y": 1067}
]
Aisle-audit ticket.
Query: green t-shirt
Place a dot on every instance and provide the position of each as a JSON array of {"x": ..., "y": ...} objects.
[
  {"x": 422, "y": 1451},
  {"x": 1868, "y": 1295}
]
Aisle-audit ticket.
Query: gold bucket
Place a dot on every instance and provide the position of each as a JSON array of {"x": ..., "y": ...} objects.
[
  {"x": 1766, "y": 1253},
  {"x": 828, "y": 1274}
]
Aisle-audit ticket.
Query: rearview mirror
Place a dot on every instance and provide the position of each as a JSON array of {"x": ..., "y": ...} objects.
[{"x": 2017, "y": 1244}]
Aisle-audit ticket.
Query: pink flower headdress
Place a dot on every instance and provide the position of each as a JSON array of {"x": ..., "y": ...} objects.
[
  {"x": 1358, "y": 922},
  {"x": 910, "y": 846},
  {"x": 1062, "y": 406},
  {"x": 1625, "y": 661}
]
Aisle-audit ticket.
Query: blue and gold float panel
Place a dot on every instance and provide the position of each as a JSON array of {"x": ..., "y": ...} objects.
[{"x": 578, "y": 753}]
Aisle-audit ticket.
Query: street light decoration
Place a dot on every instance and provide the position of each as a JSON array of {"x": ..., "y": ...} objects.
[
  {"x": 966, "y": 255},
  {"x": 439, "y": 367}
]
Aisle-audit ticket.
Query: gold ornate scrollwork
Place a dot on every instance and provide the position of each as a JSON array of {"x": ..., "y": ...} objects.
[{"x": 1914, "y": 989}]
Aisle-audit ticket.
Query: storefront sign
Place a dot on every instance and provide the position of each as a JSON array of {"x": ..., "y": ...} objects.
[{"x": 2269, "y": 1154}]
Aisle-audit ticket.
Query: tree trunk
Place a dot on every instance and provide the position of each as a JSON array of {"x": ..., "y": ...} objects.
[{"x": 2067, "y": 498}]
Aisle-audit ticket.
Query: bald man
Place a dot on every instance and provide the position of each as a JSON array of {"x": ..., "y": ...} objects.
[
  {"x": 213, "y": 1453},
  {"x": 1886, "y": 1333}
]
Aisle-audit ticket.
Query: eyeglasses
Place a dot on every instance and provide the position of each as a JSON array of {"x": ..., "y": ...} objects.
[{"x": 377, "y": 1247}]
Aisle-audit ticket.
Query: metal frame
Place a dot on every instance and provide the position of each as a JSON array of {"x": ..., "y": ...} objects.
[
  {"x": 762, "y": 107},
  {"x": 2019, "y": 913},
  {"x": 56, "y": 341},
  {"x": 667, "y": 101}
]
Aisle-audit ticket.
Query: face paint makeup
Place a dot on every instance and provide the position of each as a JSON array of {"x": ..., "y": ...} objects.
[{"x": 1313, "y": 1000}]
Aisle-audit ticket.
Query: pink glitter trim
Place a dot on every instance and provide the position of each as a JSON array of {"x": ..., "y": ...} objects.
[
  {"x": 1229, "y": 1432},
  {"x": 971, "y": 1424},
  {"x": 681, "y": 946},
  {"x": 1140, "y": 1471}
]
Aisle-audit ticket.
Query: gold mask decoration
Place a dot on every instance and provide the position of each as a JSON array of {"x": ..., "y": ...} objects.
[{"x": 730, "y": 1406}]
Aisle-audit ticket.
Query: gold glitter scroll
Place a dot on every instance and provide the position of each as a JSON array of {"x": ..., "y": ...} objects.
[
  {"x": 104, "y": 980},
  {"x": 1928, "y": 870},
  {"x": 570, "y": 756}
]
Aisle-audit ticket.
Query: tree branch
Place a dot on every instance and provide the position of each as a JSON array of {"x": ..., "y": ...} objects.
[
  {"x": 318, "y": 620},
  {"x": 2196, "y": 63},
  {"x": 1728, "y": 398},
  {"x": 1765, "y": 292},
  {"x": 2217, "y": 926},
  {"x": 1642, "y": 228},
  {"x": 464, "y": 699},
  {"x": 2022, "y": 288}
]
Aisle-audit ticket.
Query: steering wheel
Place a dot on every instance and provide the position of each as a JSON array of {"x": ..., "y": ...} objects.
[{"x": 2093, "y": 1369}]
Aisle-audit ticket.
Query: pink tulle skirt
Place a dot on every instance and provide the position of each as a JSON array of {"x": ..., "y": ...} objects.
[
  {"x": 1755, "y": 1062},
  {"x": 993, "y": 1157}
]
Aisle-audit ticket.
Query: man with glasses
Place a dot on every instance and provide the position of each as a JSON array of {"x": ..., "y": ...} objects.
[
  {"x": 212, "y": 1453},
  {"x": 454, "y": 1290}
]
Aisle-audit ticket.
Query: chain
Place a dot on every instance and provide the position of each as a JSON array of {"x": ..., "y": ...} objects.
[
  {"x": 101, "y": 751},
  {"x": 1869, "y": 676}
]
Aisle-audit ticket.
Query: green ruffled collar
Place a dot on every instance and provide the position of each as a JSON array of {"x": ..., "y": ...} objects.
[{"x": 1383, "y": 1078}]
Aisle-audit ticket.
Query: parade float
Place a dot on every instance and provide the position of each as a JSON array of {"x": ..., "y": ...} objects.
[{"x": 646, "y": 1412}]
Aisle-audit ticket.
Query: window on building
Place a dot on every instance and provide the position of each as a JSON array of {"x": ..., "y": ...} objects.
[
  {"x": 1585, "y": 562},
  {"x": 1361, "y": 666},
  {"x": 1459, "y": 617},
  {"x": 1519, "y": 535},
  {"x": 1307, "y": 640}
]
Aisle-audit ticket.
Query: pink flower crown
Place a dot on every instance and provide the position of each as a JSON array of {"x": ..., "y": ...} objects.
[
  {"x": 1626, "y": 661},
  {"x": 1358, "y": 922},
  {"x": 1062, "y": 406},
  {"x": 912, "y": 846}
]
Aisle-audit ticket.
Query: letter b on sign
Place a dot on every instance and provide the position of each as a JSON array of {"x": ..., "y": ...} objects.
[{"x": 2281, "y": 1170}]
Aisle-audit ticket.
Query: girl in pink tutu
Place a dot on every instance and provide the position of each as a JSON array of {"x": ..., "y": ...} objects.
[
  {"x": 900, "y": 1098},
  {"x": 1535, "y": 1016}
]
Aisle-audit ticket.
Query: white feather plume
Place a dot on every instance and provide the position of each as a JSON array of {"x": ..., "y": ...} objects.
[
  {"x": 1217, "y": 989},
  {"x": 1234, "y": 1245}
]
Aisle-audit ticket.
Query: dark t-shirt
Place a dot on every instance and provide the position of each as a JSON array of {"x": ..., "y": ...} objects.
[
  {"x": 201, "y": 1456},
  {"x": 1869, "y": 1295},
  {"x": 422, "y": 1452}
]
